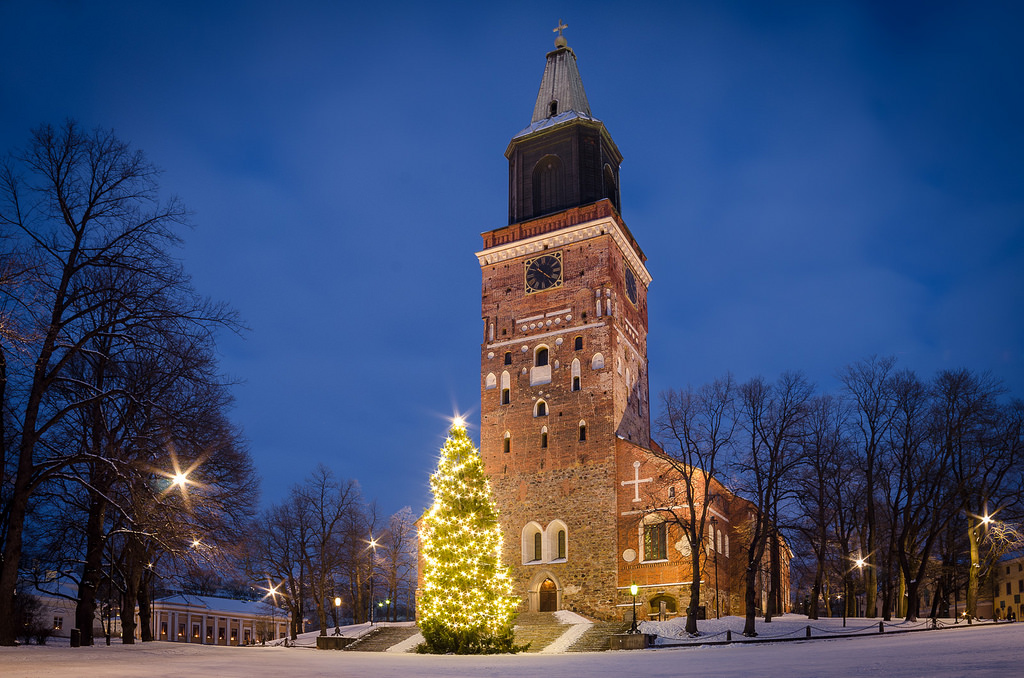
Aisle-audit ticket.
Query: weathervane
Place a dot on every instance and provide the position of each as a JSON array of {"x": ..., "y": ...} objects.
[{"x": 560, "y": 40}]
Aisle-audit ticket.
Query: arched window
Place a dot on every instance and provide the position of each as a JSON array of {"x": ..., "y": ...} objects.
[
  {"x": 610, "y": 190},
  {"x": 540, "y": 356},
  {"x": 577, "y": 344},
  {"x": 533, "y": 540},
  {"x": 506, "y": 391},
  {"x": 543, "y": 437},
  {"x": 555, "y": 541},
  {"x": 597, "y": 363},
  {"x": 508, "y": 442},
  {"x": 583, "y": 431},
  {"x": 548, "y": 185},
  {"x": 553, "y": 108},
  {"x": 575, "y": 371},
  {"x": 508, "y": 357},
  {"x": 669, "y": 602},
  {"x": 655, "y": 541},
  {"x": 492, "y": 381},
  {"x": 540, "y": 409},
  {"x": 726, "y": 544}
]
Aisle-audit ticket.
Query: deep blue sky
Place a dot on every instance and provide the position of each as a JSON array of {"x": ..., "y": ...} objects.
[{"x": 813, "y": 183}]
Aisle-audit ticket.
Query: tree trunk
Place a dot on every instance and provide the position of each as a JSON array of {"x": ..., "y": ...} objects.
[
  {"x": 749, "y": 598},
  {"x": 815, "y": 591},
  {"x": 128, "y": 599},
  {"x": 691, "y": 610},
  {"x": 775, "y": 577},
  {"x": 92, "y": 571},
  {"x": 146, "y": 608},
  {"x": 972, "y": 572}
]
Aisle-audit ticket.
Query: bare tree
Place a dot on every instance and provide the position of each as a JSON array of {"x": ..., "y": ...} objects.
[
  {"x": 919, "y": 498},
  {"x": 867, "y": 386},
  {"x": 397, "y": 561},
  {"x": 983, "y": 462},
  {"x": 696, "y": 426},
  {"x": 83, "y": 215},
  {"x": 330, "y": 504},
  {"x": 275, "y": 556},
  {"x": 823, "y": 450},
  {"x": 773, "y": 418}
]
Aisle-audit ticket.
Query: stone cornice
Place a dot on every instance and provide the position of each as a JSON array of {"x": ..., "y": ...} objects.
[{"x": 568, "y": 235}]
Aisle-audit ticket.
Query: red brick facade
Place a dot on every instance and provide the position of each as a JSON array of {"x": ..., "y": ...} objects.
[{"x": 546, "y": 479}]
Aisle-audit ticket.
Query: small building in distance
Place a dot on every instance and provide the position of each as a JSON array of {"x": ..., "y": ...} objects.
[
  {"x": 1008, "y": 588},
  {"x": 209, "y": 620}
]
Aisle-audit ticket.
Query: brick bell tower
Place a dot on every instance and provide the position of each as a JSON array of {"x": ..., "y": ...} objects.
[{"x": 563, "y": 363}]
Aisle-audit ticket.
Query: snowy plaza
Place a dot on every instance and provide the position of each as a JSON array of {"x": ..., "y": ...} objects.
[{"x": 978, "y": 650}]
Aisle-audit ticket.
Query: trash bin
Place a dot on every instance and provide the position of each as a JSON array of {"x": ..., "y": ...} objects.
[{"x": 76, "y": 638}]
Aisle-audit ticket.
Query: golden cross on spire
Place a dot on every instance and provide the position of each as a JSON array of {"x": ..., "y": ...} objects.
[{"x": 561, "y": 27}]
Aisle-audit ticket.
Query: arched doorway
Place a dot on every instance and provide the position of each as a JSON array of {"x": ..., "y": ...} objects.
[{"x": 548, "y": 596}]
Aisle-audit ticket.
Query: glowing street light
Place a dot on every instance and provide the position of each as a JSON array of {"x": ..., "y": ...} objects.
[
  {"x": 633, "y": 588},
  {"x": 373, "y": 564},
  {"x": 179, "y": 479},
  {"x": 337, "y": 624}
]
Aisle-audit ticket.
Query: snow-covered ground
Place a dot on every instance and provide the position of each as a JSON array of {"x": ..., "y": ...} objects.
[
  {"x": 785, "y": 627},
  {"x": 978, "y": 650}
]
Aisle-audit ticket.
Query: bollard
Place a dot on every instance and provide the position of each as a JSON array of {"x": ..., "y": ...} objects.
[
  {"x": 808, "y": 630},
  {"x": 881, "y": 627},
  {"x": 728, "y": 635}
]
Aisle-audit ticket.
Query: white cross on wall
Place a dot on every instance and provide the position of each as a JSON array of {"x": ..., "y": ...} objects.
[{"x": 636, "y": 481}]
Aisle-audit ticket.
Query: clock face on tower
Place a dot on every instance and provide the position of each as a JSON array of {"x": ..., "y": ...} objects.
[
  {"x": 543, "y": 272},
  {"x": 630, "y": 285}
]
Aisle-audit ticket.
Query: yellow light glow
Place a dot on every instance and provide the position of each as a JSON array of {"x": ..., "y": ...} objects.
[
  {"x": 179, "y": 479},
  {"x": 633, "y": 588},
  {"x": 986, "y": 519},
  {"x": 458, "y": 421},
  {"x": 859, "y": 562},
  {"x": 337, "y": 601}
]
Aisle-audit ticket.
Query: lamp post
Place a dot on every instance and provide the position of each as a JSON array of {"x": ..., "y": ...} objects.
[
  {"x": 373, "y": 564},
  {"x": 633, "y": 588},
  {"x": 714, "y": 550},
  {"x": 337, "y": 624}
]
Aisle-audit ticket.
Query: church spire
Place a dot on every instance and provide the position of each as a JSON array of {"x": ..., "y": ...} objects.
[
  {"x": 565, "y": 158},
  {"x": 561, "y": 88}
]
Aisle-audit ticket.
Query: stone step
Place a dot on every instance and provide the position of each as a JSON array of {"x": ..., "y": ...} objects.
[
  {"x": 539, "y": 629},
  {"x": 598, "y": 637},
  {"x": 381, "y": 638}
]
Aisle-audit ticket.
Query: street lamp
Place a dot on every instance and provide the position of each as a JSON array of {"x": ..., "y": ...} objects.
[
  {"x": 714, "y": 550},
  {"x": 373, "y": 564},
  {"x": 633, "y": 588},
  {"x": 337, "y": 624}
]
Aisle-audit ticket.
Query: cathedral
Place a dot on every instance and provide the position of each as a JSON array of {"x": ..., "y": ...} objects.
[{"x": 565, "y": 419}]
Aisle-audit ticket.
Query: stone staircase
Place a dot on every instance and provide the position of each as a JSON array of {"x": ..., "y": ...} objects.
[
  {"x": 382, "y": 637},
  {"x": 597, "y": 637},
  {"x": 539, "y": 629}
]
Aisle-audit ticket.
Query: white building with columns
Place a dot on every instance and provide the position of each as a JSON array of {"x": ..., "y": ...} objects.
[{"x": 208, "y": 620}]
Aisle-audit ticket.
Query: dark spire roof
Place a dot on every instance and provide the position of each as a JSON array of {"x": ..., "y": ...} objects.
[{"x": 561, "y": 86}]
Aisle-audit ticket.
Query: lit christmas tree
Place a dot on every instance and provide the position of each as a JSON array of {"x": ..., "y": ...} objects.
[{"x": 466, "y": 605}]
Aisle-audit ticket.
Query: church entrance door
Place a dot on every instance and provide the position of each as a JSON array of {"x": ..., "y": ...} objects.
[{"x": 548, "y": 596}]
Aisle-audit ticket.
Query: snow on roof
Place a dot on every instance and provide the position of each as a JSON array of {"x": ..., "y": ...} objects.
[{"x": 215, "y": 604}]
